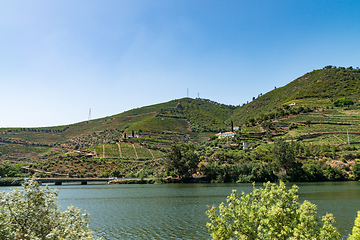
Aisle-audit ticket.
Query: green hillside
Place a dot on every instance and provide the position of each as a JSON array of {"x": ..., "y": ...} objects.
[
  {"x": 320, "y": 110},
  {"x": 319, "y": 88},
  {"x": 158, "y": 126}
]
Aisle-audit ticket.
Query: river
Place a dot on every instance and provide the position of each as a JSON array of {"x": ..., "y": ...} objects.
[{"x": 177, "y": 211}]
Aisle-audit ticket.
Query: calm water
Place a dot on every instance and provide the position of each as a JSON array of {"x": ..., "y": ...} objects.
[{"x": 177, "y": 211}]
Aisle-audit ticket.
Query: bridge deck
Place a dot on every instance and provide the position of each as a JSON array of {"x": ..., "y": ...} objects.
[{"x": 59, "y": 181}]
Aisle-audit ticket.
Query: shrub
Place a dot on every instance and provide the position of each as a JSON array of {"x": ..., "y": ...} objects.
[
  {"x": 115, "y": 173},
  {"x": 269, "y": 213},
  {"x": 355, "y": 235},
  {"x": 40, "y": 216},
  {"x": 356, "y": 171},
  {"x": 104, "y": 174},
  {"x": 89, "y": 175},
  {"x": 341, "y": 102}
]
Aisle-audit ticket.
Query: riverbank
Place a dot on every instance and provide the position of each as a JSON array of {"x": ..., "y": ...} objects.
[
  {"x": 11, "y": 181},
  {"x": 157, "y": 180}
]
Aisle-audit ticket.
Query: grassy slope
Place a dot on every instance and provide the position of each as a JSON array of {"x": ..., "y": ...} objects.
[
  {"x": 161, "y": 131},
  {"x": 316, "y": 88},
  {"x": 121, "y": 120}
]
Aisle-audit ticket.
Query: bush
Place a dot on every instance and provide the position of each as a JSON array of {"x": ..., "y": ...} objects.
[
  {"x": 104, "y": 174},
  {"x": 356, "y": 229},
  {"x": 31, "y": 212},
  {"x": 341, "y": 102},
  {"x": 334, "y": 174},
  {"x": 269, "y": 213},
  {"x": 115, "y": 173},
  {"x": 356, "y": 171},
  {"x": 89, "y": 175}
]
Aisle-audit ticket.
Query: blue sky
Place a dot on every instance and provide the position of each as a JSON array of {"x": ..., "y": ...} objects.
[{"x": 60, "y": 58}]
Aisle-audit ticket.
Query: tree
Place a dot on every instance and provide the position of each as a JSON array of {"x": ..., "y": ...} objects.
[
  {"x": 356, "y": 229},
  {"x": 284, "y": 156},
  {"x": 308, "y": 122},
  {"x": 356, "y": 171},
  {"x": 182, "y": 159},
  {"x": 32, "y": 213},
  {"x": 269, "y": 213},
  {"x": 116, "y": 173}
]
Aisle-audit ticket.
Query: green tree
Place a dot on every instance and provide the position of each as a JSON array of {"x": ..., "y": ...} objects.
[
  {"x": 31, "y": 212},
  {"x": 356, "y": 171},
  {"x": 355, "y": 235},
  {"x": 283, "y": 154},
  {"x": 104, "y": 174},
  {"x": 182, "y": 159},
  {"x": 116, "y": 173},
  {"x": 269, "y": 213}
]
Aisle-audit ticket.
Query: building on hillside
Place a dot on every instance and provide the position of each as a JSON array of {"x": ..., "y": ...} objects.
[
  {"x": 235, "y": 128},
  {"x": 225, "y": 134},
  {"x": 135, "y": 136},
  {"x": 292, "y": 104}
]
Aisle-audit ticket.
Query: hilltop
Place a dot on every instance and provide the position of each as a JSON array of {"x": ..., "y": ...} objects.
[{"x": 319, "y": 88}]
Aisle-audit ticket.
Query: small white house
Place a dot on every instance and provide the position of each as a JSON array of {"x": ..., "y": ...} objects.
[
  {"x": 292, "y": 104},
  {"x": 225, "y": 134}
]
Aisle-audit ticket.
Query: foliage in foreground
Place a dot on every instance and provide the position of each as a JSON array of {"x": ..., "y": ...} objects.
[
  {"x": 269, "y": 213},
  {"x": 32, "y": 213},
  {"x": 356, "y": 229}
]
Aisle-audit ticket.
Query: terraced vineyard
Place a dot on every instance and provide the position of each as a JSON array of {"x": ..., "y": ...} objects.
[
  {"x": 128, "y": 151},
  {"x": 97, "y": 167}
]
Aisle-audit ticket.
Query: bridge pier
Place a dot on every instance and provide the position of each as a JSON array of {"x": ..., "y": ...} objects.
[{"x": 83, "y": 182}]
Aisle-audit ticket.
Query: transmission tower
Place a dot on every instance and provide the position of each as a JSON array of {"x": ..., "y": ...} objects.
[
  {"x": 89, "y": 115},
  {"x": 187, "y": 90}
]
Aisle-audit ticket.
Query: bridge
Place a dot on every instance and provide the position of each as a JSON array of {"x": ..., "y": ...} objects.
[{"x": 83, "y": 181}]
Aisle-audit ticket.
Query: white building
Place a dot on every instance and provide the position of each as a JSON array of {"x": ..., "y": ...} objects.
[{"x": 225, "y": 134}]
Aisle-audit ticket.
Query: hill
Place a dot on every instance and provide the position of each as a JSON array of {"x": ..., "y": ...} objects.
[
  {"x": 319, "y": 110},
  {"x": 157, "y": 126},
  {"x": 319, "y": 88}
]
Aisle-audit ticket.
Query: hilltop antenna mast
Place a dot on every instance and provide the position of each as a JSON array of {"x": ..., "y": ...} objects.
[
  {"x": 187, "y": 92},
  {"x": 198, "y": 95},
  {"x": 89, "y": 115}
]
